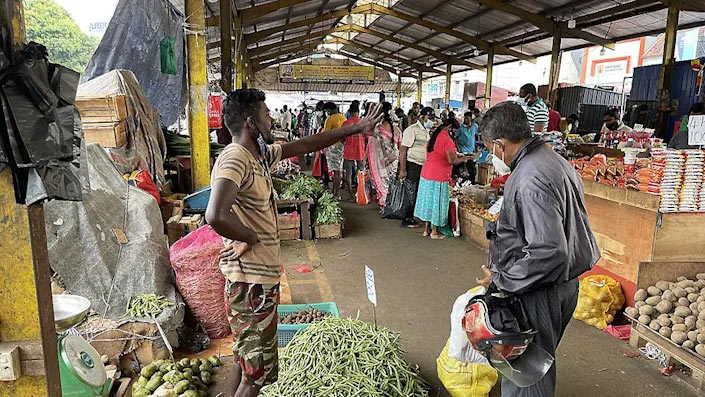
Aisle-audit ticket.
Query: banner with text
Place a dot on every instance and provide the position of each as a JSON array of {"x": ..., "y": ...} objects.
[{"x": 334, "y": 74}]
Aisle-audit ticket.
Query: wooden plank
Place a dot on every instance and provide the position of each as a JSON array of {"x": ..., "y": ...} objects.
[
  {"x": 629, "y": 197},
  {"x": 681, "y": 238},
  {"x": 288, "y": 221},
  {"x": 110, "y": 134},
  {"x": 289, "y": 234},
  {"x": 621, "y": 250},
  {"x": 110, "y": 108},
  {"x": 651, "y": 272},
  {"x": 306, "y": 229},
  {"x": 641, "y": 334}
]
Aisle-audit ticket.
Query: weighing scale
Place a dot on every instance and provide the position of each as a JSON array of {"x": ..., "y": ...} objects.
[{"x": 81, "y": 369}]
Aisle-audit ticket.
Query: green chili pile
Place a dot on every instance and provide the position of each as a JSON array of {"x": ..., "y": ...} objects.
[{"x": 345, "y": 357}]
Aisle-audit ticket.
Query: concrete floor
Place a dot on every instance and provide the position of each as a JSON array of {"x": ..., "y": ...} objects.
[{"x": 417, "y": 282}]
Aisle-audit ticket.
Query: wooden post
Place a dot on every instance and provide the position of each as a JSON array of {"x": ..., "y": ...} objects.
[
  {"x": 26, "y": 310},
  {"x": 398, "y": 90},
  {"x": 555, "y": 72},
  {"x": 226, "y": 44},
  {"x": 446, "y": 98},
  {"x": 664, "y": 92},
  {"x": 239, "y": 43},
  {"x": 198, "y": 94},
  {"x": 419, "y": 84},
  {"x": 488, "y": 78}
]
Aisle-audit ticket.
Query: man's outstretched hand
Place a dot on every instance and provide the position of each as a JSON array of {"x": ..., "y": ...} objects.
[
  {"x": 485, "y": 282},
  {"x": 374, "y": 117}
]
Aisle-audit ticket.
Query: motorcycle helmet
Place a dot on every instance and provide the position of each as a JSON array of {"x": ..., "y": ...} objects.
[{"x": 496, "y": 325}]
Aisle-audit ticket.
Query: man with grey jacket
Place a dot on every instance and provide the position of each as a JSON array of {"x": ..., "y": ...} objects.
[{"x": 542, "y": 240}]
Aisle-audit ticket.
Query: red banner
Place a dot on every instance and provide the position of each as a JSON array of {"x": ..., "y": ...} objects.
[{"x": 215, "y": 111}]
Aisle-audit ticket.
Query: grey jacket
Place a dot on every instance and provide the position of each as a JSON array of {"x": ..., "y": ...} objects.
[{"x": 543, "y": 234}]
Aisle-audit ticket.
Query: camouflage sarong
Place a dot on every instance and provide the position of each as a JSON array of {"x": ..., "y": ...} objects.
[{"x": 253, "y": 320}]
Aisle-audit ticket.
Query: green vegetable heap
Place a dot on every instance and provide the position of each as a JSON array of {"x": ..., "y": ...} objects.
[
  {"x": 328, "y": 210},
  {"x": 178, "y": 145},
  {"x": 147, "y": 305},
  {"x": 301, "y": 188},
  {"x": 345, "y": 357},
  {"x": 185, "y": 378}
]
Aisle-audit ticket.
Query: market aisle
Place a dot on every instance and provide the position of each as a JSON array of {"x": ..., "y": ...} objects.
[{"x": 417, "y": 281}]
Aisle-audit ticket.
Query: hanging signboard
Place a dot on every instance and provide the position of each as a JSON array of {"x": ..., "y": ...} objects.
[
  {"x": 696, "y": 130},
  {"x": 333, "y": 74},
  {"x": 215, "y": 111}
]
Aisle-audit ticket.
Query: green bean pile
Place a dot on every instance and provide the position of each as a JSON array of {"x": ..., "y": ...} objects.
[
  {"x": 147, "y": 305},
  {"x": 345, "y": 357}
]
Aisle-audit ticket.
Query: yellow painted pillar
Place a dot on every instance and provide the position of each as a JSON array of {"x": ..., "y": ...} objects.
[
  {"x": 239, "y": 63},
  {"x": 198, "y": 94},
  {"x": 669, "y": 60},
  {"x": 398, "y": 90},
  {"x": 488, "y": 77},
  {"x": 555, "y": 70},
  {"x": 446, "y": 98},
  {"x": 26, "y": 312},
  {"x": 419, "y": 87}
]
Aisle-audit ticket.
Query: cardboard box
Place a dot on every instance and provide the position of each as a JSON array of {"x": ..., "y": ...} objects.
[
  {"x": 101, "y": 109},
  {"x": 109, "y": 134}
]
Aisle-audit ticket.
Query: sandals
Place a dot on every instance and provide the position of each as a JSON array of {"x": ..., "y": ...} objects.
[
  {"x": 426, "y": 233},
  {"x": 438, "y": 236}
]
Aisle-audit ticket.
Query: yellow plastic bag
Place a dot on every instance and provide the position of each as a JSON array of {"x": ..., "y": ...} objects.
[
  {"x": 465, "y": 379},
  {"x": 599, "y": 298}
]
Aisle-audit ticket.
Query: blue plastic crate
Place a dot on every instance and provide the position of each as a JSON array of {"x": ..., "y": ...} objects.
[{"x": 285, "y": 332}]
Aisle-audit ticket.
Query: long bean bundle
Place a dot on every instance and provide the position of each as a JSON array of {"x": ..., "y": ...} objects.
[{"x": 345, "y": 357}]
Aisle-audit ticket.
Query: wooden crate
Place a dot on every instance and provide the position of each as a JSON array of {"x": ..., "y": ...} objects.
[
  {"x": 102, "y": 109},
  {"x": 473, "y": 227},
  {"x": 485, "y": 173},
  {"x": 303, "y": 207},
  {"x": 648, "y": 274},
  {"x": 178, "y": 226},
  {"x": 288, "y": 221},
  {"x": 109, "y": 134},
  {"x": 289, "y": 234},
  {"x": 328, "y": 231}
]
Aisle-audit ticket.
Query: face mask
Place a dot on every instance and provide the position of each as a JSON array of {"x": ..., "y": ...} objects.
[
  {"x": 499, "y": 166},
  {"x": 428, "y": 124},
  {"x": 309, "y": 111}
]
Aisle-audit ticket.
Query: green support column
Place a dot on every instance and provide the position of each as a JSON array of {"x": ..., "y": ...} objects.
[
  {"x": 488, "y": 76},
  {"x": 555, "y": 71},
  {"x": 419, "y": 84},
  {"x": 667, "y": 67},
  {"x": 446, "y": 98}
]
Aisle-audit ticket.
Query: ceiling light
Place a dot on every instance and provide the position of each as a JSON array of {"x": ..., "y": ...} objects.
[
  {"x": 602, "y": 51},
  {"x": 476, "y": 52},
  {"x": 571, "y": 23}
]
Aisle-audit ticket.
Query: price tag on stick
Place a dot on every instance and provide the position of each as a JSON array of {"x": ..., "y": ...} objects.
[
  {"x": 371, "y": 290},
  {"x": 696, "y": 130}
]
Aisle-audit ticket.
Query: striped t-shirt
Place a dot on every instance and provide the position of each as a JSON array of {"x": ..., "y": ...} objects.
[
  {"x": 256, "y": 209},
  {"x": 537, "y": 113}
]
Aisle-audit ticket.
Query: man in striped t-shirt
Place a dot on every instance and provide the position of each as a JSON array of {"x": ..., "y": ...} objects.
[
  {"x": 242, "y": 210},
  {"x": 535, "y": 107}
]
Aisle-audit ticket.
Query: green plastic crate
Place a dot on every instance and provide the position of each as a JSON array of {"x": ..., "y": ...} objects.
[{"x": 285, "y": 332}]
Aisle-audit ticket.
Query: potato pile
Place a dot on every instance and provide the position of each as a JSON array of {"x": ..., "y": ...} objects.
[
  {"x": 185, "y": 378},
  {"x": 303, "y": 316},
  {"x": 675, "y": 310}
]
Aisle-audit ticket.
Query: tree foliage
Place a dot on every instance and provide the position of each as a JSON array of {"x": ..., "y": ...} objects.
[{"x": 50, "y": 24}]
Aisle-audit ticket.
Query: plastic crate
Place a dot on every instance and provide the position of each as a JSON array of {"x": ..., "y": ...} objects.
[
  {"x": 198, "y": 200},
  {"x": 285, "y": 332}
]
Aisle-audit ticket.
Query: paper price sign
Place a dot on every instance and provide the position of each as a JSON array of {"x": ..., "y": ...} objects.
[
  {"x": 696, "y": 130},
  {"x": 370, "y": 281}
]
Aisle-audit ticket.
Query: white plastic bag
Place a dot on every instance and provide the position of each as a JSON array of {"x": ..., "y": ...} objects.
[{"x": 460, "y": 347}]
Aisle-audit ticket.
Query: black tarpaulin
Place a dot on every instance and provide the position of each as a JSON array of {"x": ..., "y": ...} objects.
[{"x": 131, "y": 42}]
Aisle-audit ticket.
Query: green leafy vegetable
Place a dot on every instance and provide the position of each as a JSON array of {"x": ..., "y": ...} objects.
[
  {"x": 302, "y": 187},
  {"x": 328, "y": 210}
]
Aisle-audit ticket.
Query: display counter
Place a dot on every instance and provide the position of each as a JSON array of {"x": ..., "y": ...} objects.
[{"x": 629, "y": 230}]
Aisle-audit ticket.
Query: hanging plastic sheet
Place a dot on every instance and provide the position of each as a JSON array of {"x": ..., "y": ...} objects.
[
  {"x": 131, "y": 42},
  {"x": 40, "y": 138}
]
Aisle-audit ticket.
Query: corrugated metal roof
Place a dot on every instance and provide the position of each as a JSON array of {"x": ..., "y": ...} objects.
[{"x": 594, "y": 16}]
